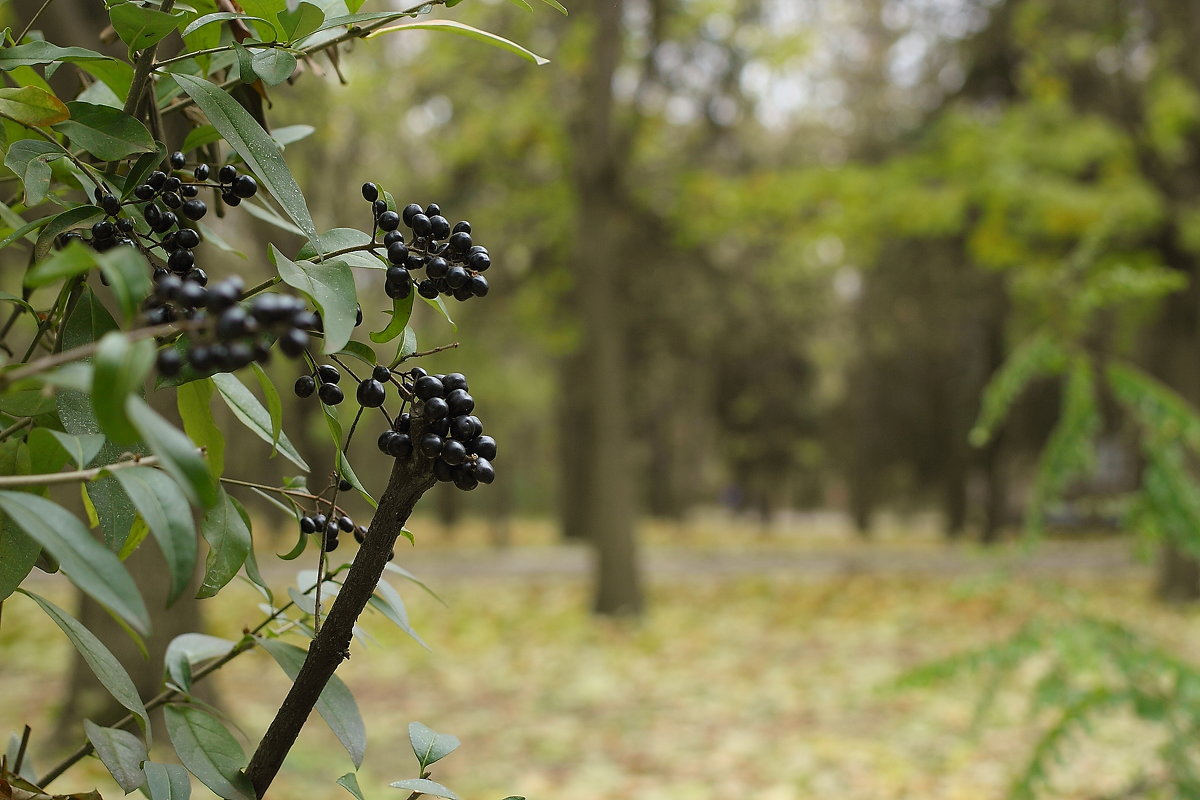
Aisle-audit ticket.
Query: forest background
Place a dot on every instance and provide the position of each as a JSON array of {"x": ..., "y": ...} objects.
[{"x": 805, "y": 281}]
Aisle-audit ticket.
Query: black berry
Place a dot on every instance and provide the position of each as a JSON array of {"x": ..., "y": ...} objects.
[
  {"x": 330, "y": 394},
  {"x": 305, "y": 386}
]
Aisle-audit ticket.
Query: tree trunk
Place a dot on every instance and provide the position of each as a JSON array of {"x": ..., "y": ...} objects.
[{"x": 606, "y": 513}]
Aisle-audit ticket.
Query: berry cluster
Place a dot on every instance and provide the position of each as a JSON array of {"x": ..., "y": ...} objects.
[
  {"x": 324, "y": 382},
  {"x": 330, "y": 527},
  {"x": 230, "y": 335},
  {"x": 453, "y": 263},
  {"x": 449, "y": 433}
]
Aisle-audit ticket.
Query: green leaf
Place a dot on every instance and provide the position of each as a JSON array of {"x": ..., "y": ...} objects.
[
  {"x": 73, "y": 259},
  {"x": 401, "y": 313},
  {"x": 32, "y": 106},
  {"x": 557, "y": 6},
  {"x": 1037, "y": 356},
  {"x": 250, "y": 412},
  {"x": 208, "y": 751},
  {"x": 30, "y": 160},
  {"x": 99, "y": 659},
  {"x": 167, "y": 781},
  {"x": 221, "y": 16},
  {"x": 440, "y": 305},
  {"x": 165, "y": 510},
  {"x": 71, "y": 218},
  {"x": 189, "y": 649},
  {"x": 289, "y": 134},
  {"x": 349, "y": 782},
  {"x": 355, "y": 20},
  {"x": 141, "y": 27},
  {"x": 340, "y": 239},
  {"x": 387, "y": 601},
  {"x": 36, "y": 53},
  {"x": 142, "y": 167},
  {"x": 79, "y": 449},
  {"x": 253, "y": 144},
  {"x": 120, "y": 367},
  {"x": 424, "y": 786},
  {"x": 229, "y": 543},
  {"x": 121, "y": 752},
  {"x": 200, "y": 136},
  {"x": 450, "y": 26},
  {"x": 274, "y": 65},
  {"x": 335, "y": 705},
  {"x": 89, "y": 565},
  {"x": 107, "y": 133},
  {"x": 343, "y": 464},
  {"x": 430, "y": 746},
  {"x": 361, "y": 351},
  {"x": 19, "y": 233},
  {"x": 128, "y": 276},
  {"x": 274, "y": 404},
  {"x": 330, "y": 285},
  {"x": 176, "y": 451},
  {"x": 301, "y": 21},
  {"x": 195, "y": 409},
  {"x": 20, "y": 554},
  {"x": 407, "y": 346}
]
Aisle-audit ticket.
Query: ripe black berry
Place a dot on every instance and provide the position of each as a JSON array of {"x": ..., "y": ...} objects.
[
  {"x": 478, "y": 286},
  {"x": 245, "y": 186},
  {"x": 371, "y": 394},
  {"x": 462, "y": 227},
  {"x": 453, "y": 452},
  {"x": 421, "y": 225},
  {"x": 194, "y": 209},
  {"x": 428, "y": 386},
  {"x": 431, "y": 444},
  {"x": 320, "y": 522},
  {"x": 181, "y": 260},
  {"x": 391, "y": 237},
  {"x": 346, "y": 524},
  {"x": 385, "y": 439},
  {"x": 104, "y": 230},
  {"x": 293, "y": 343},
  {"x": 439, "y": 226},
  {"x": 171, "y": 184},
  {"x": 483, "y": 471},
  {"x": 427, "y": 289},
  {"x": 403, "y": 422},
  {"x": 344, "y": 485},
  {"x": 397, "y": 253},
  {"x": 189, "y": 190},
  {"x": 410, "y": 211},
  {"x": 461, "y": 428},
  {"x": 479, "y": 261},
  {"x": 197, "y": 275},
  {"x": 460, "y": 242},
  {"x": 186, "y": 237},
  {"x": 436, "y": 408},
  {"x": 360, "y": 534},
  {"x": 400, "y": 446},
  {"x": 438, "y": 267},
  {"x": 143, "y": 191},
  {"x": 305, "y": 386},
  {"x": 329, "y": 374},
  {"x": 454, "y": 380},
  {"x": 484, "y": 447},
  {"x": 381, "y": 373},
  {"x": 169, "y": 362},
  {"x": 370, "y": 192},
  {"x": 459, "y": 402},
  {"x": 156, "y": 179},
  {"x": 432, "y": 210},
  {"x": 111, "y": 204},
  {"x": 388, "y": 221},
  {"x": 177, "y": 160},
  {"x": 466, "y": 481},
  {"x": 307, "y": 525},
  {"x": 201, "y": 172},
  {"x": 330, "y": 394},
  {"x": 457, "y": 277},
  {"x": 378, "y": 207},
  {"x": 227, "y": 173}
]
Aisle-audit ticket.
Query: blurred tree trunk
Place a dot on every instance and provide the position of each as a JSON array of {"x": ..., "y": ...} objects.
[
  {"x": 606, "y": 516},
  {"x": 575, "y": 473}
]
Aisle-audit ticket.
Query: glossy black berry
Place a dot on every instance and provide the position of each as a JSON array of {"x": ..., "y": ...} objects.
[
  {"x": 483, "y": 471},
  {"x": 462, "y": 227},
  {"x": 460, "y": 402},
  {"x": 180, "y": 260},
  {"x": 391, "y": 237},
  {"x": 305, "y": 386},
  {"x": 328, "y": 373},
  {"x": 172, "y": 184},
  {"x": 403, "y": 422},
  {"x": 331, "y": 541},
  {"x": 381, "y": 373},
  {"x": 397, "y": 253},
  {"x": 385, "y": 439},
  {"x": 330, "y": 394},
  {"x": 293, "y": 343},
  {"x": 197, "y": 275},
  {"x": 410, "y": 211},
  {"x": 186, "y": 237},
  {"x": 344, "y": 485},
  {"x": 177, "y": 160},
  {"x": 192, "y": 295},
  {"x": 189, "y": 190},
  {"x": 432, "y": 210},
  {"x": 484, "y": 447},
  {"x": 378, "y": 207},
  {"x": 443, "y": 471},
  {"x": 428, "y": 386},
  {"x": 398, "y": 287},
  {"x": 461, "y": 428},
  {"x": 371, "y": 394},
  {"x": 320, "y": 522},
  {"x": 201, "y": 172},
  {"x": 194, "y": 209},
  {"x": 370, "y": 192},
  {"x": 388, "y": 221},
  {"x": 111, "y": 204},
  {"x": 143, "y": 191},
  {"x": 307, "y": 525},
  {"x": 171, "y": 200},
  {"x": 431, "y": 444},
  {"x": 460, "y": 242},
  {"x": 439, "y": 226},
  {"x": 436, "y": 408},
  {"x": 346, "y": 524},
  {"x": 453, "y": 452},
  {"x": 400, "y": 446},
  {"x": 156, "y": 179},
  {"x": 227, "y": 173},
  {"x": 232, "y": 323},
  {"x": 457, "y": 277},
  {"x": 360, "y": 534},
  {"x": 427, "y": 289},
  {"x": 479, "y": 261},
  {"x": 421, "y": 225},
  {"x": 438, "y": 267},
  {"x": 104, "y": 230},
  {"x": 466, "y": 481},
  {"x": 169, "y": 362}
]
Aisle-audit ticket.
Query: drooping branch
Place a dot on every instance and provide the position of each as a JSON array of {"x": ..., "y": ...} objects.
[{"x": 410, "y": 479}]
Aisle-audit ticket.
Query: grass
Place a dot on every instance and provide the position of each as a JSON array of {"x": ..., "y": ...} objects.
[{"x": 734, "y": 685}]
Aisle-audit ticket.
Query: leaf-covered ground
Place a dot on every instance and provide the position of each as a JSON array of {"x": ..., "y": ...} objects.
[{"x": 772, "y": 684}]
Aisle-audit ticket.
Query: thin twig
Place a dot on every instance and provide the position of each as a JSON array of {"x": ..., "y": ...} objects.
[
  {"x": 88, "y": 350},
  {"x": 16, "y": 426},
  {"x": 29, "y": 25},
  {"x": 439, "y": 349},
  {"x": 75, "y": 476}
]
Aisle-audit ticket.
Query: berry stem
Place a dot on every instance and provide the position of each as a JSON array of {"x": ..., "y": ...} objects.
[{"x": 438, "y": 349}]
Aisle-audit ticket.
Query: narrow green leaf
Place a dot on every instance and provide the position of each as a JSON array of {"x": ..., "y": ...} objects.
[
  {"x": 178, "y": 454},
  {"x": 274, "y": 65},
  {"x": 200, "y": 136},
  {"x": 340, "y": 239},
  {"x": 274, "y": 404},
  {"x": 128, "y": 276},
  {"x": 440, "y": 305},
  {"x": 343, "y": 464},
  {"x": 71, "y": 218},
  {"x": 557, "y": 6},
  {"x": 119, "y": 368},
  {"x": 424, "y": 786},
  {"x": 428, "y": 745},
  {"x": 208, "y": 751},
  {"x": 30, "y": 105},
  {"x": 253, "y": 144},
  {"x": 99, "y": 659},
  {"x": 36, "y": 53},
  {"x": 361, "y": 351},
  {"x": 30, "y": 160},
  {"x": 349, "y": 782},
  {"x": 229, "y": 543},
  {"x": 194, "y": 400},
  {"x": 167, "y": 781},
  {"x": 301, "y": 21},
  {"x": 165, "y": 510},
  {"x": 330, "y": 285},
  {"x": 73, "y": 259},
  {"x": 20, "y": 554},
  {"x": 401, "y": 313},
  {"x": 79, "y": 449},
  {"x": 450, "y": 26},
  {"x": 387, "y": 601},
  {"x": 335, "y": 705},
  {"x": 89, "y": 565},
  {"x": 121, "y": 752},
  {"x": 19, "y": 233},
  {"x": 355, "y": 20},
  {"x": 140, "y": 27},
  {"x": 220, "y": 16},
  {"x": 246, "y": 407},
  {"x": 107, "y": 133},
  {"x": 407, "y": 346},
  {"x": 189, "y": 649}
]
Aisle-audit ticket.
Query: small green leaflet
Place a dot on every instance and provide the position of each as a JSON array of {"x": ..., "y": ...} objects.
[
  {"x": 208, "y": 751},
  {"x": 30, "y": 105},
  {"x": 424, "y": 786},
  {"x": 274, "y": 65},
  {"x": 107, "y": 133},
  {"x": 30, "y": 160},
  {"x": 430, "y": 746},
  {"x": 450, "y": 26},
  {"x": 140, "y": 27},
  {"x": 349, "y": 782},
  {"x": 189, "y": 649},
  {"x": 220, "y": 16},
  {"x": 401, "y": 313},
  {"x": 73, "y": 259},
  {"x": 229, "y": 544},
  {"x": 167, "y": 781},
  {"x": 165, "y": 510},
  {"x": 98, "y": 657},
  {"x": 71, "y": 218},
  {"x": 246, "y": 407},
  {"x": 302, "y": 21},
  {"x": 33, "y": 54},
  {"x": 330, "y": 285},
  {"x": 121, "y": 752}
]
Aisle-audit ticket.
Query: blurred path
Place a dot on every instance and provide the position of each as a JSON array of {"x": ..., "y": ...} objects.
[{"x": 1103, "y": 557}]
